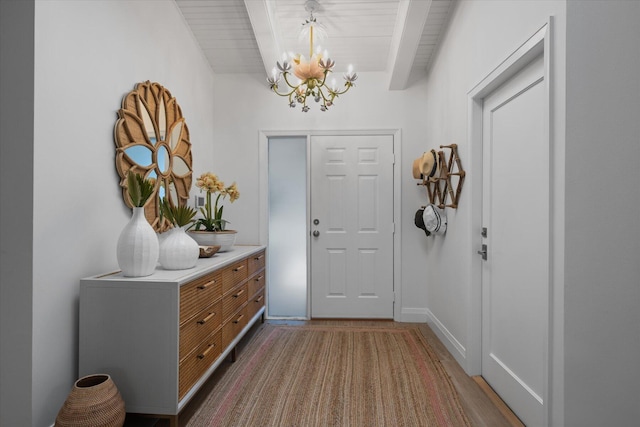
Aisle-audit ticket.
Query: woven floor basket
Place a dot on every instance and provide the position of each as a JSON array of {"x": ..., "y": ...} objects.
[{"x": 93, "y": 401}]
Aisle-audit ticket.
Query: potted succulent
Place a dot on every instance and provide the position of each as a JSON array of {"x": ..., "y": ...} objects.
[
  {"x": 138, "y": 249},
  {"x": 210, "y": 229},
  {"x": 178, "y": 251}
]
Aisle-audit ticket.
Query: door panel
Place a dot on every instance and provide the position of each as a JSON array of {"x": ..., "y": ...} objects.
[
  {"x": 515, "y": 276},
  {"x": 352, "y": 199}
]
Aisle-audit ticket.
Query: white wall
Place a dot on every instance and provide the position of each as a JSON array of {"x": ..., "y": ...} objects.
[
  {"x": 595, "y": 336},
  {"x": 602, "y": 300},
  {"x": 245, "y": 106},
  {"x": 480, "y": 35},
  {"x": 88, "y": 55}
]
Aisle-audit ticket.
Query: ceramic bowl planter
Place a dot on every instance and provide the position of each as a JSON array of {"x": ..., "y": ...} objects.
[{"x": 225, "y": 239}]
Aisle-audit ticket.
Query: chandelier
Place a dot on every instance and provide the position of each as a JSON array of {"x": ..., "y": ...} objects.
[{"x": 312, "y": 74}]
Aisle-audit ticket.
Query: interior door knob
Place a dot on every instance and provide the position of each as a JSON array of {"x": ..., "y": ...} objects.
[{"x": 483, "y": 252}]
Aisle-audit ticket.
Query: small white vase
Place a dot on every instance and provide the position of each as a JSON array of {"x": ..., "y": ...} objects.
[
  {"x": 225, "y": 239},
  {"x": 178, "y": 251},
  {"x": 138, "y": 247}
]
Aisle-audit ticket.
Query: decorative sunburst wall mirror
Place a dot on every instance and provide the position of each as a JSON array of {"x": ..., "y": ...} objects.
[{"x": 152, "y": 139}]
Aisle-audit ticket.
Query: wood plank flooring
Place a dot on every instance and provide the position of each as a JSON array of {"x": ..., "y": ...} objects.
[{"x": 484, "y": 408}]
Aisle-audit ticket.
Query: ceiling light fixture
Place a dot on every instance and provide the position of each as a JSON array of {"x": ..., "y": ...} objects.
[{"x": 312, "y": 74}]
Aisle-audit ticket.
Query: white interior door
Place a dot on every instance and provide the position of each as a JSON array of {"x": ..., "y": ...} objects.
[
  {"x": 515, "y": 276},
  {"x": 352, "y": 226}
]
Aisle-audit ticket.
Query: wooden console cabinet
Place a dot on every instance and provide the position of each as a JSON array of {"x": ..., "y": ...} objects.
[{"x": 161, "y": 336}]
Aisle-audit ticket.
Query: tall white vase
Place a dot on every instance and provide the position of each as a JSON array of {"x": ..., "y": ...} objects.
[
  {"x": 138, "y": 247},
  {"x": 178, "y": 251}
]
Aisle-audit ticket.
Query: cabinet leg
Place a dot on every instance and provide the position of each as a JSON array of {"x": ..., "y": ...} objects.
[
  {"x": 232, "y": 355},
  {"x": 173, "y": 421}
]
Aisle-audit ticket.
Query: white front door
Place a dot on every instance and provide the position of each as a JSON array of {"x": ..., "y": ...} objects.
[
  {"x": 515, "y": 211},
  {"x": 352, "y": 226}
]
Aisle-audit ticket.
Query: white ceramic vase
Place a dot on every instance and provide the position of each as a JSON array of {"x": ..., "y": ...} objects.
[
  {"x": 138, "y": 247},
  {"x": 225, "y": 239},
  {"x": 178, "y": 250}
]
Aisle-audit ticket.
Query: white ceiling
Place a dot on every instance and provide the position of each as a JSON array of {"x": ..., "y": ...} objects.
[{"x": 398, "y": 37}]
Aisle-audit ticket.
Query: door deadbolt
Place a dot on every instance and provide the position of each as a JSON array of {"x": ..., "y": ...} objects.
[{"x": 316, "y": 221}]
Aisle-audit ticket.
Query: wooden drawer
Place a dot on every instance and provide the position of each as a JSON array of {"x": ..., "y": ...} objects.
[
  {"x": 234, "y": 275},
  {"x": 233, "y": 301},
  {"x": 255, "y": 304},
  {"x": 256, "y": 262},
  {"x": 195, "y": 296},
  {"x": 196, "y": 329},
  {"x": 233, "y": 327},
  {"x": 197, "y": 362},
  {"x": 256, "y": 283}
]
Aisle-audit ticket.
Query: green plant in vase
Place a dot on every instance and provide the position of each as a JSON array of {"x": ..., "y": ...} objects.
[
  {"x": 178, "y": 216},
  {"x": 139, "y": 189}
]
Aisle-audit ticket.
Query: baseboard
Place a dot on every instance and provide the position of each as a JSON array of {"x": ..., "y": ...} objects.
[
  {"x": 448, "y": 339},
  {"x": 502, "y": 407},
  {"x": 413, "y": 315}
]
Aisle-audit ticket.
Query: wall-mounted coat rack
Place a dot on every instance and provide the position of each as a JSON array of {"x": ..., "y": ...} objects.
[{"x": 441, "y": 187}]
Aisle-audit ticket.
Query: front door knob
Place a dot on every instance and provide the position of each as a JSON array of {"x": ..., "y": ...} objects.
[{"x": 316, "y": 233}]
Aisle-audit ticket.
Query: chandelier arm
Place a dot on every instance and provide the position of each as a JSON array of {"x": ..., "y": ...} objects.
[
  {"x": 283, "y": 94},
  {"x": 324, "y": 79},
  {"x": 324, "y": 97},
  {"x": 344, "y": 91},
  {"x": 294, "y": 87}
]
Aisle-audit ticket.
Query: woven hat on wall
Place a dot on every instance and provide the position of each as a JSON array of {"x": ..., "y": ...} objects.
[{"x": 426, "y": 165}]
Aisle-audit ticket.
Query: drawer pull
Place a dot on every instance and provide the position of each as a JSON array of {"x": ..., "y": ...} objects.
[
  {"x": 257, "y": 279},
  {"x": 258, "y": 258},
  {"x": 207, "y": 351},
  {"x": 260, "y": 298},
  {"x": 240, "y": 267},
  {"x": 238, "y": 319},
  {"x": 206, "y": 319},
  {"x": 239, "y": 293},
  {"x": 206, "y": 285}
]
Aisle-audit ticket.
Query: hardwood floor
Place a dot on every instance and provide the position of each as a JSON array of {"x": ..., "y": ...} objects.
[{"x": 483, "y": 408}]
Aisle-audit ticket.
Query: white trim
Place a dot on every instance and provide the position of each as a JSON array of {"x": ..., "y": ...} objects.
[
  {"x": 449, "y": 340},
  {"x": 413, "y": 315},
  {"x": 538, "y": 44},
  {"x": 397, "y": 211}
]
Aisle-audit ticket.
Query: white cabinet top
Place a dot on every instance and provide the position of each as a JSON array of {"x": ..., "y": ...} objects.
[{"x": 203, "y": 266}]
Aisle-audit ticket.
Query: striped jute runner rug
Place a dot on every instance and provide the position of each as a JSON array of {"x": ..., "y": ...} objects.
[{"x": 324, "y": 375}]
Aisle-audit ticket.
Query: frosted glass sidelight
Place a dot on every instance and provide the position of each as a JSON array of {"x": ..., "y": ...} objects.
[{"x": 287, "y": 268}]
